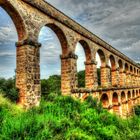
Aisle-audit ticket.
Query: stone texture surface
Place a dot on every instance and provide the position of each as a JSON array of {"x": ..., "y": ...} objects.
[{"x": 29, "y": 17}]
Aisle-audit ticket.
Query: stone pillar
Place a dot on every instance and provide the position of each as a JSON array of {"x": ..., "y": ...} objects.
[
  {"x": 28, "y": 73},
  {"x": 130, "y": 106},
  {"x": 105, "y": 76},
  {"x": 122, "y": 79},
  {"x": 68, "y": 73},
  {"x": 115, "y": 77},
  {"x": 91, "y": 74},
  {"x": 124, "y": 109},
  {"x": 120, "y": 105}
]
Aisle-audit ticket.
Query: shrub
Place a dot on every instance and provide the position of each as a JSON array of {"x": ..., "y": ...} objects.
[{"x": 137, "y": 110}]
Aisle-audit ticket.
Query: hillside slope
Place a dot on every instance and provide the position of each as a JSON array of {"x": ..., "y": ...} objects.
[{"x": 63, "y": 118}]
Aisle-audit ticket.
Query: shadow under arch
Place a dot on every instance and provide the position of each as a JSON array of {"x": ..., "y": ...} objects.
[
  {"x": 133, "y": 93},
  {"x": 120, "y": 63},
  {"x": 104, "y": 100},
  {"x": 131, "y": 69},
  {"x": 123, "y": 96},
  {"x": 115, "y": 99},
  {"x": 115, "y": 103},
  {"x": 126, "y": 67},
  {"x": 129, "y": 95},
  {"x": 16, "y": 18}
]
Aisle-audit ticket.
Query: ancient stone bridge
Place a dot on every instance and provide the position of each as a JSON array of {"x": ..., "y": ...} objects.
[{"x": 120, "y": 84}]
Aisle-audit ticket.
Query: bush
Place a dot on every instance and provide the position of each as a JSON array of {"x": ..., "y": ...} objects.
[
  {"x": 137, "y": 110},
  {"x": 64, "y": 118},
  {"x": 8, "y": 89}
]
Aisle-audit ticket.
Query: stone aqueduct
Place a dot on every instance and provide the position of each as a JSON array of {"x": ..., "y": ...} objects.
[{"x": 120, "y": 83}]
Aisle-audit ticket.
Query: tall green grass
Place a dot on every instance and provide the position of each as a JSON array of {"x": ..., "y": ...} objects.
[{"x": 63, "y": 118}]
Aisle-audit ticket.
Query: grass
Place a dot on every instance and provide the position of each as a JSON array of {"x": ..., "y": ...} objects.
[{"x": 63, "y": 118}]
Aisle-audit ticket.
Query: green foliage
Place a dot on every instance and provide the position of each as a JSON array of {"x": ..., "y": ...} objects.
[
  {"x": 81, "y": 78},
  {"x": 63, "y": 118},
  {"x": 52, "y": 84},
  {"x": 137, "y": 110},
  {"x": 7, "y": 87}
]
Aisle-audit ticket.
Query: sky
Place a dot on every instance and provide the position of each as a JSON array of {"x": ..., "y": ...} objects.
[{"x": 115, "y": 21}]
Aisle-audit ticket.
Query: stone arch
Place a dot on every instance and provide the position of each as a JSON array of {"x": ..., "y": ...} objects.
[
  {"x": 16, "y": 18},
  {"x": 114, "y": 71},
  {"x": 87, "y": 69},
  {"x": 101, "y": 64},
  {"x": 115, "y": 99},
  {"x": 129, "y": 103},
  {"x": 80, "y": 51},
  {"x": 126, "y": 67},
  {"x": 134, "y": 70},
  {"x": 131, "y": 69},
  {"x": 21, "y": 30},
  {"x": 120, "y": 63},
  {"x": 123, "y": 96},
  {"x": 87, "y": 49},
  {"x": 61, "y": 36},
  {"x": 129, "y": 95},
  {"x": 104, "y": 100},
  {"x": 102, "y": 57},
  {"x": 133, "y": 93},
  {"x": 66, "y": 77},
  {"x": 136, "y": 93},
  {"x": 113, "y": 62}
]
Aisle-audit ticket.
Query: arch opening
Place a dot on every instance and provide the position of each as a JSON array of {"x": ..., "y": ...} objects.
[
  {"x": 133, "y": 94},
  {"x": 120, "y": 65},
  {"x": 82, "y": 52},
  {"x": 126, "y": 67},
  {"x": 115, "y": 98},
  {"x": 61, "y": 36},
  {"x": 9, "y": 34},
  {"x": 129, "y": 95},
  {"x": 100, "y": 59},
  {"x": 112, "y": 65},
  {"x": 131, "y": 69},
  {"x": 16, "y": 19},
  {"x": 53, "y": 45},
  {"x": 134, "y": 70},
  {"x": 136, "y": 93},
  {"x": 123, "y": 97},
  {"x": 7, "y": 45},
  {"x": 104, "y": 100},
  {"x": 112, "y": 62}
]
